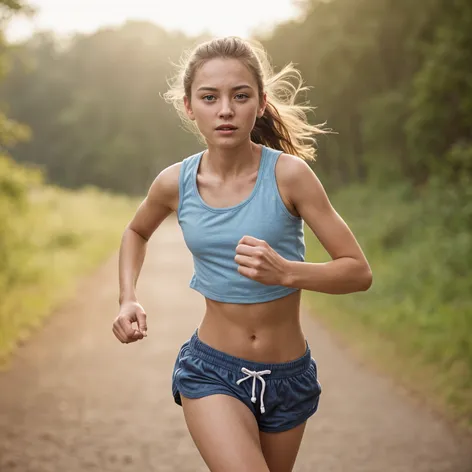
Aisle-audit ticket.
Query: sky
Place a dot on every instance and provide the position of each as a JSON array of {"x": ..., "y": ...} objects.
[{"x": 190, "y": 16}]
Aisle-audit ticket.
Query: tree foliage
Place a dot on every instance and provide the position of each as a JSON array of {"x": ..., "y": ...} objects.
[{"x": 391, "y": 77}]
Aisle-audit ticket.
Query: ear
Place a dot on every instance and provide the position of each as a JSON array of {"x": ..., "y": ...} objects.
[
  {"x": 188, "y": 108},
  {"x": 262, "y": 106}
]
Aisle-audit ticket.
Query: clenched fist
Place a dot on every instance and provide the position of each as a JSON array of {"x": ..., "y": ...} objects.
[
  {"x": 258, "y": 261},
  {"x": 130, "y": 312}
]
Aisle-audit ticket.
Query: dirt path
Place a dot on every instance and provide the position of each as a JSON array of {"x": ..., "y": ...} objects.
[{"x": 75, "y": 399}]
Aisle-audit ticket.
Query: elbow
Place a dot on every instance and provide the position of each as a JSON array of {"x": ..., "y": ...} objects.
[
  {"x": 365, "y": 279},
  {"x": 144, "y": 237}
]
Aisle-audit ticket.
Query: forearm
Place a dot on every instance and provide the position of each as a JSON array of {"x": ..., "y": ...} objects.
[
  {"x": 131, "y": 258},
  {"x": 340, "y": 276}
]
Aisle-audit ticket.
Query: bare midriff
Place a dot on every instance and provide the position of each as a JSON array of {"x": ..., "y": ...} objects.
[{"x": 261, "y": 332}]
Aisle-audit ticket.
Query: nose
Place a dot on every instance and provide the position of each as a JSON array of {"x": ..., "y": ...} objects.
[{"x": 226, "y": 109}]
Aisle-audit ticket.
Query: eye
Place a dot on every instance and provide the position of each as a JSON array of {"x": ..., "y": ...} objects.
[
  {"x": 241, "y": 96},
  {"x": 208, "y": 96}
]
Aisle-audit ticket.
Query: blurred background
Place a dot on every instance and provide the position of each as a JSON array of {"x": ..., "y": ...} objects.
[{"x": 84, "y": 131}]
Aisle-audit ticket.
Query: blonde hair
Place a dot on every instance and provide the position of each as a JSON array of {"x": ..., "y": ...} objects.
[{"x": 284, "y": 125}]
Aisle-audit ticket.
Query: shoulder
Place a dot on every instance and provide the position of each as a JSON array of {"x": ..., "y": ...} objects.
[
  {"x": 297, "y": 180},
  {"x": 291, "y": 170},
  {"x": 165, "y": 187}
]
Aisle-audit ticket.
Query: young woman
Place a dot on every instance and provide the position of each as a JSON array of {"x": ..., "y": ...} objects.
[{"x": 245, "y": 378}]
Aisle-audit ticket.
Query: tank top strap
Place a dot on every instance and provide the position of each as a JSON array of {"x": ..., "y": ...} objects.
[
  {"x": 271, "y": 157},
  {"x": 187, "y": 171}
]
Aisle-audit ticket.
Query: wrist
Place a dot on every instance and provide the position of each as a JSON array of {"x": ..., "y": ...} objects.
[
  {"x": 127, "y": 299},
  {"x": 287, "y": 274}
]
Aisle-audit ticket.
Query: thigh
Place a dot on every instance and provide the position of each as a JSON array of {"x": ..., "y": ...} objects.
[
  {"x": 280, "y": 449},
  {"x": 225, "y": 432}
]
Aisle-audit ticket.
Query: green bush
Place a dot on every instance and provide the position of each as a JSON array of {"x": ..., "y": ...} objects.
[
  {"x": 48, "y": 238},
  {"x": 419, "y": 246}
]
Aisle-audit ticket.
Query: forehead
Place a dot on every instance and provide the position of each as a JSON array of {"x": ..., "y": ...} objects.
[{"x": 223, "y": 73}]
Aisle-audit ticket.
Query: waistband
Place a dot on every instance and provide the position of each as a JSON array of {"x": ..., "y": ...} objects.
[{"x": 279, "y": 370}]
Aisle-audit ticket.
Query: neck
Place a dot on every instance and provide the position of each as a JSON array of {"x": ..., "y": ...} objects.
[{"x": 227, "y": 162}]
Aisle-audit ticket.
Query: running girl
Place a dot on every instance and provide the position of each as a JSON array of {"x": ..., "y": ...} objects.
[{"x": 245, "y": 378}]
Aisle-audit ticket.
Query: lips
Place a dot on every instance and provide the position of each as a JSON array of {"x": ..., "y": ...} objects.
[{"x": 226, "y": 128}]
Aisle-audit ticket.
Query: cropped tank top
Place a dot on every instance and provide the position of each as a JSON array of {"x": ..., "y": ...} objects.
[{"x": 212, "y": 234}]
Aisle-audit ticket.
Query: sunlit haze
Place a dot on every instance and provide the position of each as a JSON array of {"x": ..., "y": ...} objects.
[{"x": 214, "y": 16}]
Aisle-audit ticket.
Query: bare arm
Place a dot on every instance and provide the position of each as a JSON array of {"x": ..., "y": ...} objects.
[
  {"x": 160, "y": 202},
  {"x": 302, "y": 192},
  {"x": 348, "y": 271}
]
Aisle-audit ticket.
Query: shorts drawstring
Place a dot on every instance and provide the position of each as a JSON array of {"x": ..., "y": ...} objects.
[{"x": 255, "y": 375}]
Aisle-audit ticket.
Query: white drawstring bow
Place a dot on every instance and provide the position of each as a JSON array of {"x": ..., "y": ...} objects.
[{"x": 255, "y": 375}]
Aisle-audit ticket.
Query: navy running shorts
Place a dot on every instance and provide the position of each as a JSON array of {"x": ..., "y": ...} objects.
[{"x": 281, "y": 396}]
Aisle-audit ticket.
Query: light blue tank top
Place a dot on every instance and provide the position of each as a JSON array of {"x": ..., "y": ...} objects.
[{"x": 212, "y": 234}]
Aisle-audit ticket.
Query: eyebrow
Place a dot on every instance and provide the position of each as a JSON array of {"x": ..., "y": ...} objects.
[{"x": 213, "y": 89}]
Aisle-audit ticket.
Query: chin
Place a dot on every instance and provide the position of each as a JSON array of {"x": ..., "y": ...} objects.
[
  {"x": 225, "y": 143},
  {"x": 228, "y": 143}
]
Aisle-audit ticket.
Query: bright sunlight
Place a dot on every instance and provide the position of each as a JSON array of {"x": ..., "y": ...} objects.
[{"x": 213, "y": 16}]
